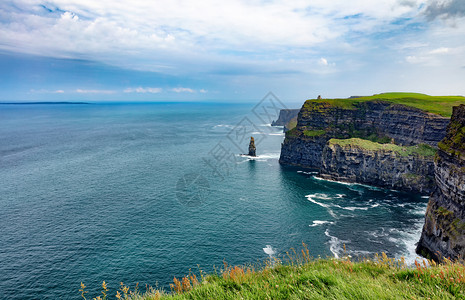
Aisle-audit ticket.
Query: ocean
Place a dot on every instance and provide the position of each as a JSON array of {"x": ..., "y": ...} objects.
[{"x": 140, "y": 193}]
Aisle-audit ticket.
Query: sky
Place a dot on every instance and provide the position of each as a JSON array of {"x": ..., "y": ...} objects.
[{"x": 205, "y": 50}]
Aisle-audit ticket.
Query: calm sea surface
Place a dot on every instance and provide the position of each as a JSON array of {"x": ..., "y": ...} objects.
[{"x": 145, "y": 192}]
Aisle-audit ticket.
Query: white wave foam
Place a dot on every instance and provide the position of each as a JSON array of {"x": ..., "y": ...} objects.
[
  {"x": 278, "y": 133},
  {"x": 223, "y": 125},
  {"x": 321, "y": 196},
  {"x": 393, "y": 239},
  {"x": 335, "y": 244},
  {"x": 374, "y": 188},
  {"x": 317, "y": 222},
  {"x": 409, "y": 238},
  {"x": 352, "y": 208},
  {"x": 308, "y": 173},
  {"x": 269, "y": 250},
  {"x": 262, "y": 157},
  {"x": 377, "y": 233},
  {"x": 312, "y": 198},
  {"x": 419, "y": 211},
  {"x": 425, "y": 197},
  {"x": 316, "y": 202},
  {"x": 257, "y": 132}
]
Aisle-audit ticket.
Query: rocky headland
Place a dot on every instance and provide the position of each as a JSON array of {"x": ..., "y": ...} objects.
[
  {"x": 287, "y": 118},
  {"x": 443, "y": 234},
  {"x": 386, "y": 140}
]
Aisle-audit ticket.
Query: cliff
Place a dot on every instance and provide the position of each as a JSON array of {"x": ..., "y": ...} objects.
[
  {"x": 401, "y": 119},
  {"x": 287, "y": 118},
  {"x": 318, "y": 122},
  {"x": 444, "y": 230},
  {"x": 384, "y": 165}
]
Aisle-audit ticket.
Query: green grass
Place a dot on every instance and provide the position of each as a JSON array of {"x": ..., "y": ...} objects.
[
  {"x": 441, "y": 105},
  {"x": 314, "y": 132},
  {"x": 305, "y": 278},
  {"x": 421, "y": 149},
  {"x": 454, "y": 142}
]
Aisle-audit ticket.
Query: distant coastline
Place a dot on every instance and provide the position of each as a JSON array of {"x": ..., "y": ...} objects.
[{"x": 42, "y": 102}]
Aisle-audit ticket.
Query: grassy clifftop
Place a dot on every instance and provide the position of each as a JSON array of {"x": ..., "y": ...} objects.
[
  {"x": 379, "y": 278},
  {"x": 422, "y": 149},
  {"x": 441, "y": 105}
]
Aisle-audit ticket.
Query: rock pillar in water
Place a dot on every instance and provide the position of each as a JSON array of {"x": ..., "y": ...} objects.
[{"x": 252, "y": 149}]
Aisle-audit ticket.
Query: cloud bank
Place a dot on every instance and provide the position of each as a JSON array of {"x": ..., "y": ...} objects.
[
  {"x": 241, "y": 47},
  {"x": 445, "y": 9}
]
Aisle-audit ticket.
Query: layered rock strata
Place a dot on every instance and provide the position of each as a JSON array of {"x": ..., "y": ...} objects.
[
  {"x": 318, "y": 122},
  {"x": 443, "y": 234},
  {"x": 388, "y": 166}
]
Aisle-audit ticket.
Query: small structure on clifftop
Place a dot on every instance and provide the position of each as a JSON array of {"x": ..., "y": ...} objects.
[{"x": 252, "y": 149}]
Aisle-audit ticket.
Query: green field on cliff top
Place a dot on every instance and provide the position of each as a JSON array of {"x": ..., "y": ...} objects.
[
  {"x": 421, "y": 149},
  {"x": 441, "y": 105}
]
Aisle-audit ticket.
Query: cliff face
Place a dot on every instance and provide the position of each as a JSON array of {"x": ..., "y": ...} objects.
[
  {"x": 381, "y": 167},
  {"x": 444, "y": 230},
  {"x": 287, "y": 118},
  {"x": 318, "y": 122},
  {"x": 285, "y": 115}
]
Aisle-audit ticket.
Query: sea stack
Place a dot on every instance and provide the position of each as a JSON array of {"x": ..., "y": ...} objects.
[{"x": 252, "y": 149}]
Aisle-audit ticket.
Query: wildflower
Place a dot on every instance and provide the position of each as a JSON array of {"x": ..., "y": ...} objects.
[
  {"x": 104, "y": 286},
  {"x": 82, "y": 290}
]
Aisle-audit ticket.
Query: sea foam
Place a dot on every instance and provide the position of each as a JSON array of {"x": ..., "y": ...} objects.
[{"x": 318, "y": 222}]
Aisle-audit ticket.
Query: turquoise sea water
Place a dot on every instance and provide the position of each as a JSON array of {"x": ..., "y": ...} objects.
[{"x": 145, "y": 192}]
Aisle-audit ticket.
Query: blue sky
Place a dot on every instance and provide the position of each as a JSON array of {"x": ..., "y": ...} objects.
[{"x": 164, "y": 50}]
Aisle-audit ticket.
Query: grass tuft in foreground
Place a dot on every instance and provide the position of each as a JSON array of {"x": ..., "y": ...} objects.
[{"x": 300, "y": 277}]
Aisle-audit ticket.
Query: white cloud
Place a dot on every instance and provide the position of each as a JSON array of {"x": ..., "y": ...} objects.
[
  {"x": 241, "y": 43},
  {"x": 44, "y": 91},
  {"x": 413, "y": 59},
  {"x": 441, "y": 50},
  {"x": 182, "y": 90},
  {"x": 323, "y": 61},
  {"x": 81, "y": 91},
  {"x": 165, "y": 34},
  {"x": 153, "y": 90},
  {"x": 203, "y": 91}
]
